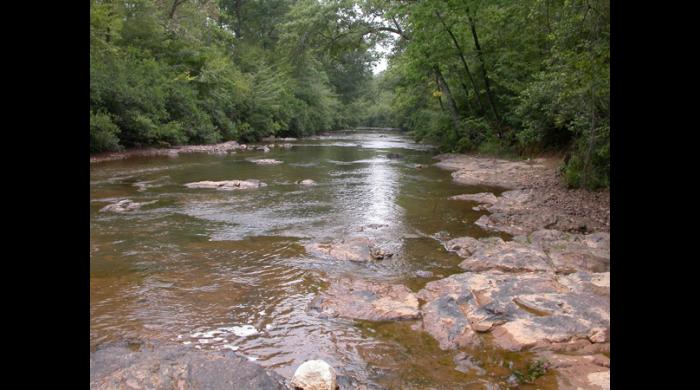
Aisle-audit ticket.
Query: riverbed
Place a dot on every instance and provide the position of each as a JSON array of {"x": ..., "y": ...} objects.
[{"x": 228, "y": 270}]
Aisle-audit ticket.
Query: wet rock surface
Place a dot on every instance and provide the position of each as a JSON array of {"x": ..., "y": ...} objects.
[
  {"x": 465, "y": 363},
  {"x": 590, "y": 372},
  {"x": 366, "y": 300},
  {"x": 349, "y": 249},
  {"x": 124, "y": 206},
  {"x": 177, "y": 367},
  {"x": 227, "y": 185}
]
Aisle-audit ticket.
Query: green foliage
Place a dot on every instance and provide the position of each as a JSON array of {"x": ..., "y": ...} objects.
[
  {"x": 547, "y": 68},
  {"x": 534, "y": 370},
  {"x": 190, "y": 78},
  {"x": 205, "y": 72},
  {"x": 103, "y": 133}
]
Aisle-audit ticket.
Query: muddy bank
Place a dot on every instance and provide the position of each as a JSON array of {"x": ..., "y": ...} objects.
[{"x": 221, "y": 148}]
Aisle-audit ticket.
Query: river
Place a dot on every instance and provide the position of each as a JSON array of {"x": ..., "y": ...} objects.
[{"x": 228, "y": 269}]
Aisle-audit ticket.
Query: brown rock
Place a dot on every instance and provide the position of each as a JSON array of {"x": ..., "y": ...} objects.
[{"x": 367, "y": 300}]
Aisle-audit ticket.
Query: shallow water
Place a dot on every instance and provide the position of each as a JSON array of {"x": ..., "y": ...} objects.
[{"x": 227, "y": 269}]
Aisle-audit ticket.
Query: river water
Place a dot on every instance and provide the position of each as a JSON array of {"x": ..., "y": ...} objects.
[{"x": 228, "y": 270}]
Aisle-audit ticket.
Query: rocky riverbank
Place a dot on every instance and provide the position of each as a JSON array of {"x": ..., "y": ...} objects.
[
  {"x": 220, "y": 148},
  {"x": 542, "y": 290},
  {"x": 545, "y": 291}
]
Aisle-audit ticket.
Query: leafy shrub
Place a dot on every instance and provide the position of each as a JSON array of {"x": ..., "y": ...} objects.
[{"x": 103, "y": 133}]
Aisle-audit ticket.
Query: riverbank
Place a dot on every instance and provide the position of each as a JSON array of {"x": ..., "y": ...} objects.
[
  {"x": 546, "y": 291},
  {"x": 220, "y": 148},
  {"x": 379, "y": 266},
  {"x": 537, "y": 197}
]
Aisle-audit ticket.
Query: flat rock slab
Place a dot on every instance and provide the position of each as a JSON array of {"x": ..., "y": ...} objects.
[
  {"x": 573, "y": 252},
  {"x": 538, "y": 200},
  {"x": 508, "y": 256},
  {"x": 542, "y": 250},
  {"x": 177, "y": 367},
  {"x": 472, "y": 170},
  {"x": 522, "y": 311},
  {"x": 227, "y": 185},
  {"x": 350, "y": 249},
  {"x": 367, "y": 300},
  {"x": 124, "y": 206}
]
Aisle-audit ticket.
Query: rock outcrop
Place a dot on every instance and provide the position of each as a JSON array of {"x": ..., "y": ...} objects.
[
  {"x": 542, "y": 250},
  {"x": 366, "y": 300},
  {"x": 529, "y": 310},
  {"x": 177, "y": 367}
]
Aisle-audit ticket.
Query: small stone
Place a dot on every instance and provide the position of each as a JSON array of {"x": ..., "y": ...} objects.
[{"x": 314, "y": 375}]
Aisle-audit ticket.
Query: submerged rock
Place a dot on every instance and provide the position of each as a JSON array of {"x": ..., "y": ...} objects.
[
  {"x": 367, "y": 300},
  {"x": 464, "y": 363},
  {"x": 482, "y": 197},
  {"x": 124, "y": 206},
  {"x": 177, "y": 367},
  {"x": 314, "y": 375},
  {"x": 266, "y": 161},
  {"x": 589, "y": 372},
  {"x": 227, "y": 184},
  {"x": 306, "y": 182},
  {"x": 351, "y": 249},
  {"x": 522, "y": 311}
]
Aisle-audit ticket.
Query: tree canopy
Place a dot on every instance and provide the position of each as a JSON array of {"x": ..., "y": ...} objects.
[{"x": 498, "y": 76}]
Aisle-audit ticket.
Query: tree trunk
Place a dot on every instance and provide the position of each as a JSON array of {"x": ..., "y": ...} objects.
[
  {"x": 464, "y": 62},
  {"x": 445, "y": 89},
  {"x": 239, "y": 18},
  {"x": 487, "y": 83},
  {"x": 176, "y": 3},
  {"x": 442, "y": 107}
]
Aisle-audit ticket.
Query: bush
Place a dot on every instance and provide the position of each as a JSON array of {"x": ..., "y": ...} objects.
[{"x": 103, "y": 133}]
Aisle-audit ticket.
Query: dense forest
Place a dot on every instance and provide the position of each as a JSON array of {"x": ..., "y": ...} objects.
[{"x": 514, "y": 77}]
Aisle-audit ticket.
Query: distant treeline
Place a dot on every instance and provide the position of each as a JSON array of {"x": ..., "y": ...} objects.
[{"x": 514, "y": 77}]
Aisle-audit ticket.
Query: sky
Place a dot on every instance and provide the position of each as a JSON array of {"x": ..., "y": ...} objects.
[{"x": 384, "y": 50}]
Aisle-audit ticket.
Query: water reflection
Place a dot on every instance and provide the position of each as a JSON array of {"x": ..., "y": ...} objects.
[
  {"x": 203, "y": 263},
  {"x": 383, "y": 187}
]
